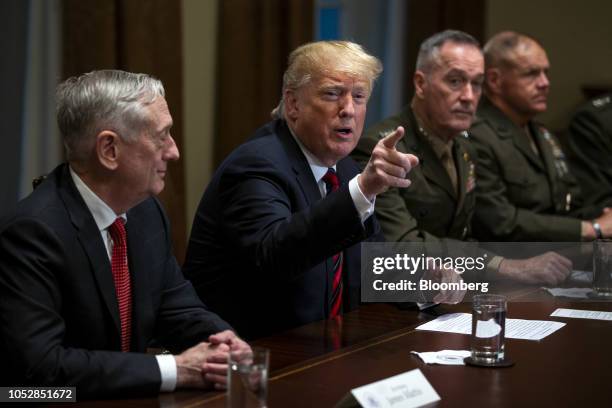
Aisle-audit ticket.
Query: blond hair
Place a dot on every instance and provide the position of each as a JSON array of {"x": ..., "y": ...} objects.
[{"x": 323, "y": 58}]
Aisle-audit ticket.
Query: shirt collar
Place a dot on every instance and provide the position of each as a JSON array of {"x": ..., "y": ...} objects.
[
  {"x": 103, "y": 215},
  {"x": 318, "y": 168},
  {"x": 438, "y": 144}
]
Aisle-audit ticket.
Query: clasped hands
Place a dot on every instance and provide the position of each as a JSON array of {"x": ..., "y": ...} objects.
[{"x": 205, "y": 364}]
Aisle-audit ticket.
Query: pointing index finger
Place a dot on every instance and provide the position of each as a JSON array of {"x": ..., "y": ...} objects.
[{"x": 391, "y": 140}]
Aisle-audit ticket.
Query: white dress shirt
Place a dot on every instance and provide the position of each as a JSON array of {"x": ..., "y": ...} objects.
[
  {"x": 104, "y": 217},
  {"x": 364, "y": 207}
]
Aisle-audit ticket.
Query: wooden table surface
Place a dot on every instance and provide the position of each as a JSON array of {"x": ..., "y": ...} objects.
[{"x": 318, "y": 364}]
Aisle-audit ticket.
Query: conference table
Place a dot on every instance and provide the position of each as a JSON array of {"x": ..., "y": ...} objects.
[{"x": 317, "y": 365}]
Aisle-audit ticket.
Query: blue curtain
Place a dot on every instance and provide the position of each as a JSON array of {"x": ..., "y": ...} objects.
[{"x": 380, "y": 27}]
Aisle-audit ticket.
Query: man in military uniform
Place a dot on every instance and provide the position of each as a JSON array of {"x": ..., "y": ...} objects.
[
  {"x": 525, "y": 189},
  {"x": 590, "y": 142},
  {"x": 440, "y": 201}
]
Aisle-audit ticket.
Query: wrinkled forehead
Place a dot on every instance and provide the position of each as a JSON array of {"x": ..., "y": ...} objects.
[
  {"x": 527, "y": 53},
  {"x": 461, "y": 57},
  {"x": 341, "y": 68}
]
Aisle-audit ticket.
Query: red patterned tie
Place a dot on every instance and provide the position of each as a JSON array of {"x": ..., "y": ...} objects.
[
  {"x": 331, "y": 183},
  {"x": 121, "y": 276}
]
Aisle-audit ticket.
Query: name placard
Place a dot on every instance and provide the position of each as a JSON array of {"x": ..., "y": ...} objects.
[{"x": 407, "y": 390}]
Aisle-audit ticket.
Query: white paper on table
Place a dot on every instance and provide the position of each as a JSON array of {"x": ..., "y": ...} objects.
[
  {"x": 486, "y": 329},
  {"x": 577, "y": 293},
  {"x": 582, "y": 314},
  {"x": 581, "y": 276},
  {"x": 515, "y": 328},
  {"x": 443, "y": 357}
]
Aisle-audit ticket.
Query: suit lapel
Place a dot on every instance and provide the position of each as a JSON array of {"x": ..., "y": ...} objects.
[
  {"x": 521, "y": 141},
  {"x": 91, "y": 241},
  {"x": 139, "y": 272},
  {"x": 430, "y": 164},
  {"x": 545, "y": 150},
  {"x": 547, "y": 158},
  {"x": 461, "y": 159},
  {"x": 506, "y": 129},
  {"x": 301, "y": 168}
]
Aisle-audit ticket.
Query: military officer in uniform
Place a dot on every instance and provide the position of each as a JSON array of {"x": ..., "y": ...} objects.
[
  {"x": 525, "y": 190},
  {"x": 440, "y": 201},
  {"x": 590, "y": 142},
  {"x": 441, "y": 197}
]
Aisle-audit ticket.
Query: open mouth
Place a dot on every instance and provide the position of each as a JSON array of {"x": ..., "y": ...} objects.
[{"x": 344, "y": 131}]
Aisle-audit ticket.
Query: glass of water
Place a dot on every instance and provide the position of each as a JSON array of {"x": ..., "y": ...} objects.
[
  {"x": 247, "y": 376},
  {"x": 602, "y": 267},
  {"x": 488, "y": 329}
]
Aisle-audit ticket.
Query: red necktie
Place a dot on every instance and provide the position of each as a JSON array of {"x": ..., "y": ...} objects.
[
  {"x": 331, "y": 183},
  {"x": 121, "y": 276}
]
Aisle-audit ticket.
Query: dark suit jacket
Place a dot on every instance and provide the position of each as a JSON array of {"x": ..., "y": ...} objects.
[
  {"x": 522, "y": 196},
  {"x": 58, "y": 309},
  {"x": 262, "y": 239},
  {"x": 430, "y": 208},
  {"x": 590, "y": 142}
]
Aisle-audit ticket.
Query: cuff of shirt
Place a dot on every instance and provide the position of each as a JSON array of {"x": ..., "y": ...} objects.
[
  {"x": 493, "y": 266},
  {"x": 364, "y": 207},
  {"x": 167, "y": 368}
]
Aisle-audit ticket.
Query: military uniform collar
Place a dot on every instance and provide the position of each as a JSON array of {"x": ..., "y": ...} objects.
[
  {"x": 501, "y": 123},
  {"x": 438, "y": 144}
]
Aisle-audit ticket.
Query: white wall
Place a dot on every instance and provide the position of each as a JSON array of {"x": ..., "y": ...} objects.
[{"x": 578, "y": 38}]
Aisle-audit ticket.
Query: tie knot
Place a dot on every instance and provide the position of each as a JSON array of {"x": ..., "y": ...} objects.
[
  {"x": 117, "y": 230},
  {"x": 331, "y": 180}
]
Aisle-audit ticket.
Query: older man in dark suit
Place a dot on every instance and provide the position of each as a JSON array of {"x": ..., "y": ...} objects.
[
  {"x": 87, "y": 275},
  {"x": 275, "y": 241}
]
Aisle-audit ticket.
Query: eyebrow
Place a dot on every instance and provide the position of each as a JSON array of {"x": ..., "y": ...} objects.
[{"x": 166, "y": 128}]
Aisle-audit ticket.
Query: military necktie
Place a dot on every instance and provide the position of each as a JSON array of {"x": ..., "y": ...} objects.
[{"x": 449, "y": 166}]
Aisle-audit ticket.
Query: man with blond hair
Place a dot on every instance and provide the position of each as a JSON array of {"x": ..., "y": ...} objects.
[
  {"x": 526, "y": 190},
  {"x": 275, "y": 241}
]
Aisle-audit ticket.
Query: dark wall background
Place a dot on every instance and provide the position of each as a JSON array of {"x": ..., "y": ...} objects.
[{"x": 13, "y": 43}]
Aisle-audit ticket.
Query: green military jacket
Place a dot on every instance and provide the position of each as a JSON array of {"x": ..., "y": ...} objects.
[
  {"x": 430, "y": 208},
  {"x": 522, "y": 196},
  {"x": 590, "y": 142}
]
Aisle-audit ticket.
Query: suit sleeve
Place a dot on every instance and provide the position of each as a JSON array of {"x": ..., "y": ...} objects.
[
  {"x": 497, "y": 218},
  {"x": 32, "y": 329},
  {"x": 591, "y": 148},
  {"x": 259, "y": 203},
  {"x": 183, "y": 320}
]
